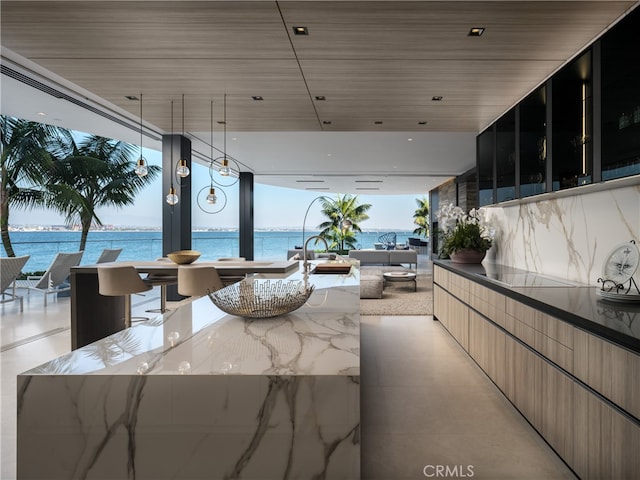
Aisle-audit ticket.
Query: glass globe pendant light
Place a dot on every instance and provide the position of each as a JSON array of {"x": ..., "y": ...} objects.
[
  {"x": 141, "y": 165},
  {"x": 172, "y": 197},
  {"x": 212, "y": 198},
  {"x": 182, "y": 170}
]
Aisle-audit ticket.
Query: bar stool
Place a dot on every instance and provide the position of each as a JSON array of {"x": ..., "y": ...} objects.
[
  {"x": 121, "y": 281},
  {"x": 197, "y": 281}
]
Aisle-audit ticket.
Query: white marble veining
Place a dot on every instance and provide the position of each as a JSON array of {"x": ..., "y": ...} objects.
[
  {"x": 201, "y": 394},
  {"x": 566, "y": 237}
]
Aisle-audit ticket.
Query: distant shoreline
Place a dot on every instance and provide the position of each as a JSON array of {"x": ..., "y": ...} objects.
[{"x": 61, "y": 228}]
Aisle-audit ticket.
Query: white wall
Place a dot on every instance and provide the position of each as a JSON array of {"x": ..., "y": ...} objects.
[{"x": 568, "y": 235}]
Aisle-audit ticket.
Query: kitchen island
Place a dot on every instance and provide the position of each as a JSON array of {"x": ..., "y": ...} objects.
[{"x": 199, "y": 394}]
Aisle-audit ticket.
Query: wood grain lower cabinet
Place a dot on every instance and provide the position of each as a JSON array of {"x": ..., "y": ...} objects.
[
  {"x": 453, "y": 314},
  {"x": 549, "y": 370},
  {"x": 610, "y": 370},
  {"x": 606, "y": 442},
  {"x": 487, "y": 346}
]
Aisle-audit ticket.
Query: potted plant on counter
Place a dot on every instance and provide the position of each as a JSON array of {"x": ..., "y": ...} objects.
[{"x": 465, "y": 236}]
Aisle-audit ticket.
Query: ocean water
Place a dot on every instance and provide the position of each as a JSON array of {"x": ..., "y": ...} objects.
[{"x": 42, "y": 246}]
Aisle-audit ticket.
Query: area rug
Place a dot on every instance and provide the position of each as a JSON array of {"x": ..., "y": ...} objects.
[{"x": 400, "y": 299}]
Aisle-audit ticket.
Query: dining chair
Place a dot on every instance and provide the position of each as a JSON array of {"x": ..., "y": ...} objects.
[
  {"x": 10, "y": 269},
  {"x": 198, "y": 281},
  {"x": 121, "y": 281}
]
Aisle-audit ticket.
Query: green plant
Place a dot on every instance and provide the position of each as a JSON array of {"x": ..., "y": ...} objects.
[
  {"x": 462, "y": 231},
  {"x": 421, "y": 217},
  {"x": 343, "y": 210}
]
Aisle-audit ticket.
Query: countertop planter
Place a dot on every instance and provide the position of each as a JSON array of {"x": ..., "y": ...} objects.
[{"x": 467, "y": 255}]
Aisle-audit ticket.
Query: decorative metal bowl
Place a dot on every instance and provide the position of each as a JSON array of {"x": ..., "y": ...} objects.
[
  {"x": 183, "y": 257},
  {"x": 261, "y": 299}
]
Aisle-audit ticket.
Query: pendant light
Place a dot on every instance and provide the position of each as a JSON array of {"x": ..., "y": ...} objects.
[
  {"x": 172, "y": 197},
  {"x": 211, "y": 197},
  {"x": 182, "y": 170},
  {"x": 224, "y": 169},
  {"x": 141, "y": 165}
]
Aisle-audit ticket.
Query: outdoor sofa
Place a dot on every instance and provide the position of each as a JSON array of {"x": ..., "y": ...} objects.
[{"x": 385, "y": 257}]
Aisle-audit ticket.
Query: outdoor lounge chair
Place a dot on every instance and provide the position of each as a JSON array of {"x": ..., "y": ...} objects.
[
  {"x": 388, "y": 239},
  {"x": 109, "y": 255},
  {"x": 10, "y": 268},
  {"x": 53, "y": 280}
]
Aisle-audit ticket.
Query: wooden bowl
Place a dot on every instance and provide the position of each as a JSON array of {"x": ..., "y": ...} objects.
[{"x": 183, "y": 257}]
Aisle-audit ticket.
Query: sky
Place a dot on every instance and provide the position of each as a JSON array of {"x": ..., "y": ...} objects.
[{"x": 274, "y": 207}]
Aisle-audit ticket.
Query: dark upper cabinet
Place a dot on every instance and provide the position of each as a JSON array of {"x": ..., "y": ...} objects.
[
  {"x": 621, "y": 99},
  {"x": 533, "y": 143},
  {"x": 572, "y": 121},
  {"x": 581, "y": 126},
  {"x": 485, "y": 164},
  {"x": 506, "y": 157}
]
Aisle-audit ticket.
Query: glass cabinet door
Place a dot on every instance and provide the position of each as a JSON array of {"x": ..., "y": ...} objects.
[
  {"x": 485, "y": 167},
  {"x": 533, "y": 143},
  {"x": 572, "y": 121},
  {"x": 621, "y": 99},
  {"x": 506, "y": 157}
]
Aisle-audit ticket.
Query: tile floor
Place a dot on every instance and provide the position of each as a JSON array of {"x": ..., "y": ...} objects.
[{"x": 425, "y": 403}]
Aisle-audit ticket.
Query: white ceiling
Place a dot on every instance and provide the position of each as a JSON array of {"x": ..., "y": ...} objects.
[{"x": 374, "y": 61}]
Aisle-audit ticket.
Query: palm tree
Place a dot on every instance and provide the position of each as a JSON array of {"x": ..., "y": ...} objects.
[
  {"x": 344, "y": 214},
  {"x": 94, "y": 172},
  {"x": 421, "y": 217},
  {"x": 24, "y": 163}
]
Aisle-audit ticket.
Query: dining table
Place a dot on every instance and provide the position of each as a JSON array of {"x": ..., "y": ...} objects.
[{"x": 95, "y": 316}]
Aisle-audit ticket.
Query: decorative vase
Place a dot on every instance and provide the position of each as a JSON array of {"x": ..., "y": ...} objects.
[{"x": 467, "y": 255}]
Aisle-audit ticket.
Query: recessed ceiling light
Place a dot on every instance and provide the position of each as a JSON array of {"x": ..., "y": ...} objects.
[
  {"x": 257, "y": 97},
  {"x": 328, "y": 154},
  {"x": 437, "y": 98},
  {"x": 377, "y": 122},
  {"x": 234, "y": 138},
  {"x": 131, "y": 97},
  {"x": 422, "y": 123},
  {"x": 321, "y": 98},
  {"x": 42, "y": 114},
  {"x": 221, "y": 122},
  {"x": 409, "y": 139},
  {"x": 476, "y": 32},
  {"x": 300, "y": 31},
  {"x": 326, "y": 122}
]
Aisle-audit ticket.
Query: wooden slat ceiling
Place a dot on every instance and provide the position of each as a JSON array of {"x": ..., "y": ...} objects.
[
  {"x": 374, "y": 61},
  {"x": 378, "y": 64}
]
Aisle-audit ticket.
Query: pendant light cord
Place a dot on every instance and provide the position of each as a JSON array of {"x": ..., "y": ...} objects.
[
  {"x": 140, "y": 125},
  {"x": 171, "y": 144}
]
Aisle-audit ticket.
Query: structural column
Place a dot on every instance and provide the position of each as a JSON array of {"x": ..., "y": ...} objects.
[
  {"x": 176, "y": 219},
  {"x": 246, "y": 215}
]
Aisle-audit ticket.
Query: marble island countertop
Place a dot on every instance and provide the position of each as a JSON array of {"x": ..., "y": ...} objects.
[
  {"x": 321, "y": 338},
  {"x": 572, "y": 302},
  {"x": 199, "y": 394}
]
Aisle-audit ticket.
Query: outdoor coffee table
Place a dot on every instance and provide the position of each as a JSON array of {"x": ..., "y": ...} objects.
[{"x": 397, "y": 277}]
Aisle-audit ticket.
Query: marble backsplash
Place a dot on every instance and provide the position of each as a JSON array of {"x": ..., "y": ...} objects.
[{"x": 566, "y": 236}]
